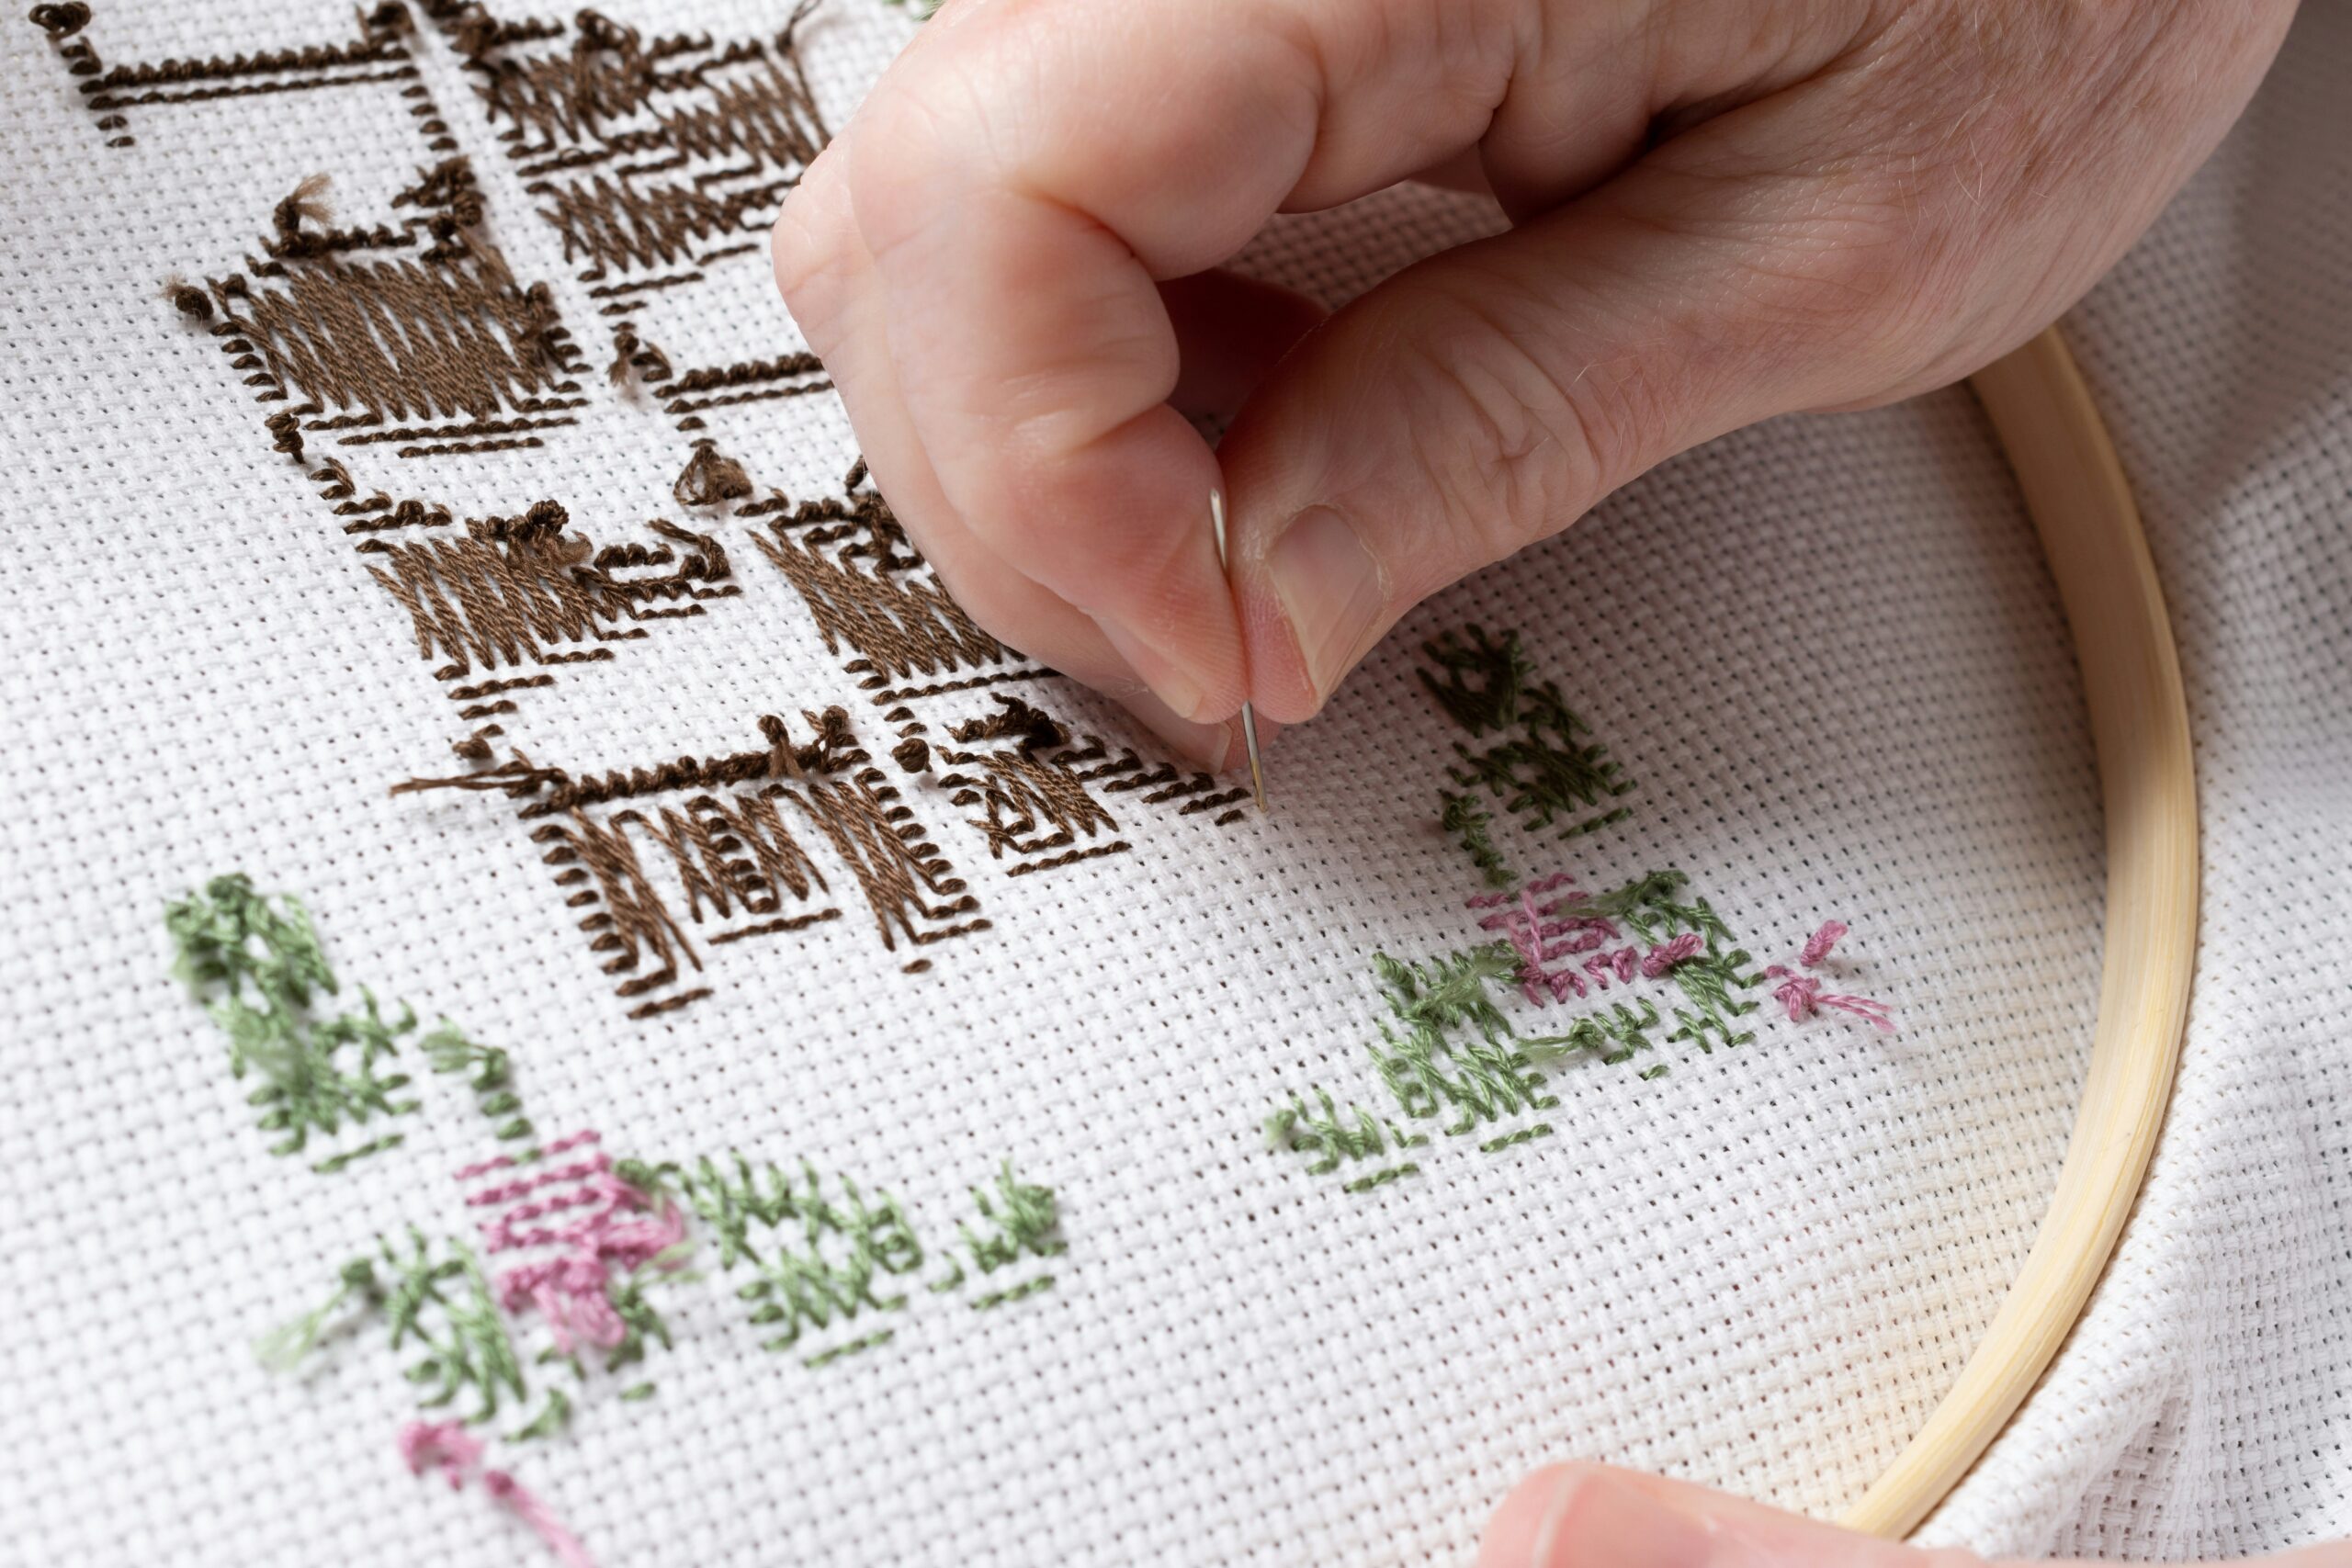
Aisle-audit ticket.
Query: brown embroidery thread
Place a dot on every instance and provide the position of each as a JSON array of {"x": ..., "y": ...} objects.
[
  {"x": 861, "y": 593},
  {"x": 1114, "y": 847},
  {"x": 710, "y": 477},
  {"x": 470, "y": 339}
]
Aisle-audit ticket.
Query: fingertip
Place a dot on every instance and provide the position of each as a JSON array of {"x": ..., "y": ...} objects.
[
  {"x": 1209, "y": 747},
  {"x": 1122, "y": 530},
  {"x": 1517, "y": 1534},
  {"x": 811, "y": 236},
  {"x": 1333, "y": 596},
  {"x": 1306, "y": 459},
  {"x": 1600, "y": 1517},
  {"x": 1171, "y": 680}
]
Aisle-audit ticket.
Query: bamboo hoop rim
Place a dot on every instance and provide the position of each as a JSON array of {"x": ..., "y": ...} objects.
[{"x": 2081, "y": 505}]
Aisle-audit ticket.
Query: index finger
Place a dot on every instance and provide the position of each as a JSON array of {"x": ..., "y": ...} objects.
[{"x": 1022, "y": 182}]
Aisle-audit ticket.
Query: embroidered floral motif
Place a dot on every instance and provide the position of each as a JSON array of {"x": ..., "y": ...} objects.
[
  {"x": 1801, "y": 994},
  {"x": 257, "y": 964}
]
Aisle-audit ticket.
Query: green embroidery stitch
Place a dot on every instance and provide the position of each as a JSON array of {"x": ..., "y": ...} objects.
[
  {"x": 640, "y": 1322},
  {"x": 824, "y": 1357},
  {"x": 1470, "y": 822},
  {"x": 259, "y": 961},
  {"x": 652, "y": 1179},
  {"x": 1437, "y": 994},
  {"x": 1444, "y": 1044},
  {"x": 553, "y": 1419},
  {"x": 1381, "y": 1178},
  {"x": 491, "y": 1076},
  {"x": 470, "y": 1349},
  {"x": 1327, "y": 1135},
  {"x": 1027, "y": 1288},
  {"x": 1546, "y": 782},
  {"x": 1492, "y": 1078},
  {"x": 1023, "y": 1216},
  {"x": 334, "y": 1163},
  {"x": 1651, "y": 909},
  {"x": 1626, "y": 903},
  {"x": 1629, "y": 1031},
  {"x": 284, "y": 1348},
  {"x": 215, "y": 933},
  {"x": 1330, "y": 1138},
  {"x": 1659, "y": 1071},
  {"x": 442, "y": 1304},
  {"x": 1447, "y": 1046},
  {"x": 636, "y": 1392},
  {"x": 1707, "y": 980},
  {"x": 1524, "y": 1135},
  {"x": 1482, "y": 678},
  {"x": 1551, "y": 771},
  {"x": 832, "y": 1274},
  {"x": 1613, "y": 1036},
  {"x": 1491, "y": 1075},
  {"x": 801, "y": 1293}
]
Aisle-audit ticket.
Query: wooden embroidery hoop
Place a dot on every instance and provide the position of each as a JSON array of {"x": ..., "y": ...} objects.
[{"x": 2074, "y": 489}]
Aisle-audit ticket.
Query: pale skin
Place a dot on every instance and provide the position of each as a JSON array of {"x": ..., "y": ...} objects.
[{"x": 1721, "y": 210}]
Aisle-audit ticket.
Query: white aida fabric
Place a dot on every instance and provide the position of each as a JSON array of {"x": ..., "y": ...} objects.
[
  {"x": 1824, "y": 654},
  {"x": 2204, "y": 1404}
]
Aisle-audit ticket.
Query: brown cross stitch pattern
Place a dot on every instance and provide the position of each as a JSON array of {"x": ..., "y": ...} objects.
[{"x": 651, "y": 163}]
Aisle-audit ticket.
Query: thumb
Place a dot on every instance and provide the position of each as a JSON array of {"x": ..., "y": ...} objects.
[
  {"x": 1489, "y": 395},
  {"x": 1584, "y": 1516}
]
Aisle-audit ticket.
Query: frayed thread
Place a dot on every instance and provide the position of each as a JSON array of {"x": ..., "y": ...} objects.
[
  {"x": 447, "y": 1446},
  {"x": 1801, "y": 996}
]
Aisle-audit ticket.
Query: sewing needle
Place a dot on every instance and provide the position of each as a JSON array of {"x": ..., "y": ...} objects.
[{"x": 1249, "y": 717}]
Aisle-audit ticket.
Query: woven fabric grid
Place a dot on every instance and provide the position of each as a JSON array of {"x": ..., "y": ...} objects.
[
  {"x": 2203, "y": 1406},
  {"x": 1823, "y": 714}
]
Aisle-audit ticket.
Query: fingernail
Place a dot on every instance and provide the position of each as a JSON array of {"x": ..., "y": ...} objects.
[
  {"x": 1167, "y": 680},
  {"x": 1589, "y": 1518},
  {"x": 1330, "y": 592},
  {"x": 1207, "y": 746}
]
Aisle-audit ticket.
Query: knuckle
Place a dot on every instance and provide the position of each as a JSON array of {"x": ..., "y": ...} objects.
[
  {"x": 1842, "y": 270},
  {"x": 1513, "y": 439},
  {"x": 794, "y": 255},
  {"x": 813, "y": 250},
  {"x": 924, "y": 136},
  {"x": 1857, "y": 264},
  {"x": 1042, "y": 520}
]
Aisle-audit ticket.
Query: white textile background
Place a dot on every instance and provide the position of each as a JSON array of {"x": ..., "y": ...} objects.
[
  {"x": 1825, "y": 652},
  {"x": 2204, "y": 1404}
]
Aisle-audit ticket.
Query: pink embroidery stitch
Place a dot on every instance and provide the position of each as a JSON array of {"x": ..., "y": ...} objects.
[
  {"x": 616, "y": 1228},
  {"x": 511, "y": 1191},
  {"x": 1817, "y": 946},
  {"x": 1620, "y": 965},
  {"x": 426, "y": 1444},
  {"x": 507, "y": 1162},
  {"x": 1801, "y": 996},
  {"x": 1666, "y": 954},
  {"x": 1541, "y": 937},
  {"x": 534, "y": 1513},
  {"x": 1541, "y": 885},
  {"x": 444, "y": 1443}
]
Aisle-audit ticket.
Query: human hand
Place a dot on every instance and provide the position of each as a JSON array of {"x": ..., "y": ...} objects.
[
  {"x": 1591, "y": 1517},
  {"x": 1724, "y": 210}
]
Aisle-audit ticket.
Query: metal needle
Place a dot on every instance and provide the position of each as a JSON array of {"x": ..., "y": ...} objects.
[{"x": 1249, "y": 718}]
